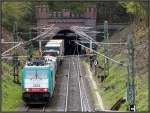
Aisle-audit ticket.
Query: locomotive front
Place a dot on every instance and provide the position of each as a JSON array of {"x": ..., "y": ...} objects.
[{"x": 36, "y": 84}]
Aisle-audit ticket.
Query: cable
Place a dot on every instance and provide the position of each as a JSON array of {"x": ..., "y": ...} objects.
[
  {"x": 104, "y": 56},
  {"x": 12, "y": 48},
  {"x": 46, "y": 32},
  {"x": 87, "y": 37},
  {"x": 82, "y": 34}
]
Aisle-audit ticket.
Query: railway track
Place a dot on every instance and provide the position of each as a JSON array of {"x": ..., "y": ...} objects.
[
  {"x": 66, "y": 101},
  {"x": 85, "y": 101},
  {"x": 75, "y": 94},
  {"x": 76, "y": 98},
  {"x": 35, "y": 108}
]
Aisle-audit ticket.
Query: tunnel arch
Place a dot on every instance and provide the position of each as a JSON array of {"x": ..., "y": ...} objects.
[{"x": 70, "y": 47}]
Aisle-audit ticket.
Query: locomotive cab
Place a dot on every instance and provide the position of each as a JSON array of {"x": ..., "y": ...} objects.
[{"x": 37, "y": 84}]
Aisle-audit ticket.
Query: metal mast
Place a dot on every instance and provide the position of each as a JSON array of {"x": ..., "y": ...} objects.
[
  {"x": 106, "y": 52},
  {"x": 15, "y": 56},
  {"x": 131, "y": 75},
  {"x": 30, "y": 47}
]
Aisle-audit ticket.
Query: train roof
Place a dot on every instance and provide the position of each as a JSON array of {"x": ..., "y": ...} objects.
[
  {"x": 50, "y": 57},
  {"x": 34, "y": 66},
  {"x": 54, "y": 41},
  {"x": 51, "y": 50},
  {"x": 52, "y": 45},
  {"x": 39, "y": 61},
  {"x": 57, "y": 41}
]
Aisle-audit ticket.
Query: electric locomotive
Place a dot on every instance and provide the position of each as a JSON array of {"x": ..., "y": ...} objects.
[
  {"x": 38, "y": 82},
  {"x": 38, "y": 76}
]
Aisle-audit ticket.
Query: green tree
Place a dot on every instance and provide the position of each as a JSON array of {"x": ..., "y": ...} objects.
[
  {"x": 134, "y": 7},
  {"x": 20, "y": 12},
  {"x": 76, "y": 7},
  {"x": 138, "y": 11}
]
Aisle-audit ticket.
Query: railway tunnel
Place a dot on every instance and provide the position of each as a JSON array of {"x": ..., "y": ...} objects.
[{"x": 70, "y": 47}]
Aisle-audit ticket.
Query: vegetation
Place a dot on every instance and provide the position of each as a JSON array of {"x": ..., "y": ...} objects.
[
  {"x": 11, "y": 92},
  {"x": 134, "y": 7},
  {"x": 114, "y": 87},
  {"x": 122, "y": 11},
  {"x": 76, "y": 7},
  {"x": 21, "y": 12},
  {"x": 137, "y": 9},
  {"x": 111, "y": 11}
]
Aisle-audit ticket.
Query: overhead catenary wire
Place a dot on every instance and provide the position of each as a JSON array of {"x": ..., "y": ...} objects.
[
  {"x": 103, "y": 43},
  {"x": 10, "y": 42},
  {"x": 12, "y": 48},
  {"x": 82, "y": 34},
  {"x": 84, "y": 55},
  {"x": 45, "y": 33},
  {"x": 90, "y": 38},
  {"x": 103, "y": 55},
  {"x": 87, "y": 37}
]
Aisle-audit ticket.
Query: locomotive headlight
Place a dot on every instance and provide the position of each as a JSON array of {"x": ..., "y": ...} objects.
[
  {"x": 45, "y": 89},
  {"x": 27, "y": 89}
]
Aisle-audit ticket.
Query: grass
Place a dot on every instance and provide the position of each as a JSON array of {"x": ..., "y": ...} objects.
[
  {"x": 11, "y": 92},
  {"x": 142, "y": 92},
  {"x": 93, "y": 91},
  {"x": 114, "y": 87}
]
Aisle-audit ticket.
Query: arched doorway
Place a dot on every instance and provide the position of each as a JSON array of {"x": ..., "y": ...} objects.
[{"x": 69, "y": 37}]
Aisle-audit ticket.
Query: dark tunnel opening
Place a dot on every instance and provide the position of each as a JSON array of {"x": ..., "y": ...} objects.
[{"x": 69, "y": 37}]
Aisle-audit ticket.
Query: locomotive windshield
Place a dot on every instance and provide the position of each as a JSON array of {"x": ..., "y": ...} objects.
[
  {"x": 52, "y": 48},
  {"x": 36, "y": 74},
  {"x": 50, "y": 53}
]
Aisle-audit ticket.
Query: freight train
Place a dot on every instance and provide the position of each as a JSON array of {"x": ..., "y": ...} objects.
[
  {"x": 54, "y": 48},
  {"x": 38, "y": 75}
]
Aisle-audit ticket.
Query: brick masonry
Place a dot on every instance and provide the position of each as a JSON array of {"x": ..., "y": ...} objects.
[{"x": 64, "y": 19}]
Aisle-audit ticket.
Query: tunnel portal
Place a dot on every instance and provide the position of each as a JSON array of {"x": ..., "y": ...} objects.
[{"x": 70, "y": 47}]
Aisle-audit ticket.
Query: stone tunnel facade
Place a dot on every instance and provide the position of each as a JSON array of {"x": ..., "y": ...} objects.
[{"x": 65, "y": 18}]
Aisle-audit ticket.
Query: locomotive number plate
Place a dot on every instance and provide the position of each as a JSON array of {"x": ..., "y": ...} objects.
[{"x": 36, "y": 85}]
